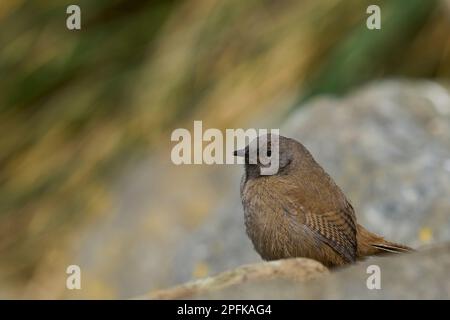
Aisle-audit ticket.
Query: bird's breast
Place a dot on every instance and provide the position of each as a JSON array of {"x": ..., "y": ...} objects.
[{"x": 274, "y": 232}]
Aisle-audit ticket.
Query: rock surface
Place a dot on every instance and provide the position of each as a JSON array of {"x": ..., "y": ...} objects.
[
  {"x": 297, "y": 270},
  {"x": 386, "y": 145},
  {"x": 421, "y": 275}
]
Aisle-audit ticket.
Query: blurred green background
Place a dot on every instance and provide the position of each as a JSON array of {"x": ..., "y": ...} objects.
[{"x": 77, "y": 107}]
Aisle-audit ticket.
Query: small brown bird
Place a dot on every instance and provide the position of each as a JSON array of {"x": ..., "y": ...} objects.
[{"x": 300, "y": 211}]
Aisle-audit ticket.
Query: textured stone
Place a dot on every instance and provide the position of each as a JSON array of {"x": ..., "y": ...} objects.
[
  {"x": 297, "y": 270},
  {"x": 421, "y": 275}
]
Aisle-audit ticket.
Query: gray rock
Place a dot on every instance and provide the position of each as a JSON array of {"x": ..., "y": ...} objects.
[
  {"x": 421, "y": 275},
  {"x": 297, "y": 270}
]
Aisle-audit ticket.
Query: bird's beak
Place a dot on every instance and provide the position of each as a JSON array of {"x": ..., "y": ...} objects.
[{"x": 239, "y": 153}]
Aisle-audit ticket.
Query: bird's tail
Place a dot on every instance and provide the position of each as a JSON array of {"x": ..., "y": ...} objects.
[{"x": 371, "y": 244}]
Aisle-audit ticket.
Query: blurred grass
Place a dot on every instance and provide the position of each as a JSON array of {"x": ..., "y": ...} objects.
[
  {"x": 61, "y": 106},
  {"x": 76, "y": 106},
  {"x": 365, "y": 54}
]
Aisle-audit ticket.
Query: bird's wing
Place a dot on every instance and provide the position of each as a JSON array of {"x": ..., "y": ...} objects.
[{"x": 336, "y": 228}]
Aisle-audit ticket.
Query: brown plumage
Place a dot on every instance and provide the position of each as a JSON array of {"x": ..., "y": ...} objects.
[{"x": 301, "y": 212}]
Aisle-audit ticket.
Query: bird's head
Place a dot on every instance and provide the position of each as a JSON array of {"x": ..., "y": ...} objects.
[{"x": 267, "y": 154}]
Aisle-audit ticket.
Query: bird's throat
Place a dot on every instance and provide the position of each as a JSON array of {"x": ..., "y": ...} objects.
[{"x": 252, "y": 171}]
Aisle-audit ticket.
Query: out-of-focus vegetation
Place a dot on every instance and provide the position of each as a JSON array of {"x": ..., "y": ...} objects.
[{"x": 76, "y": 105}]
